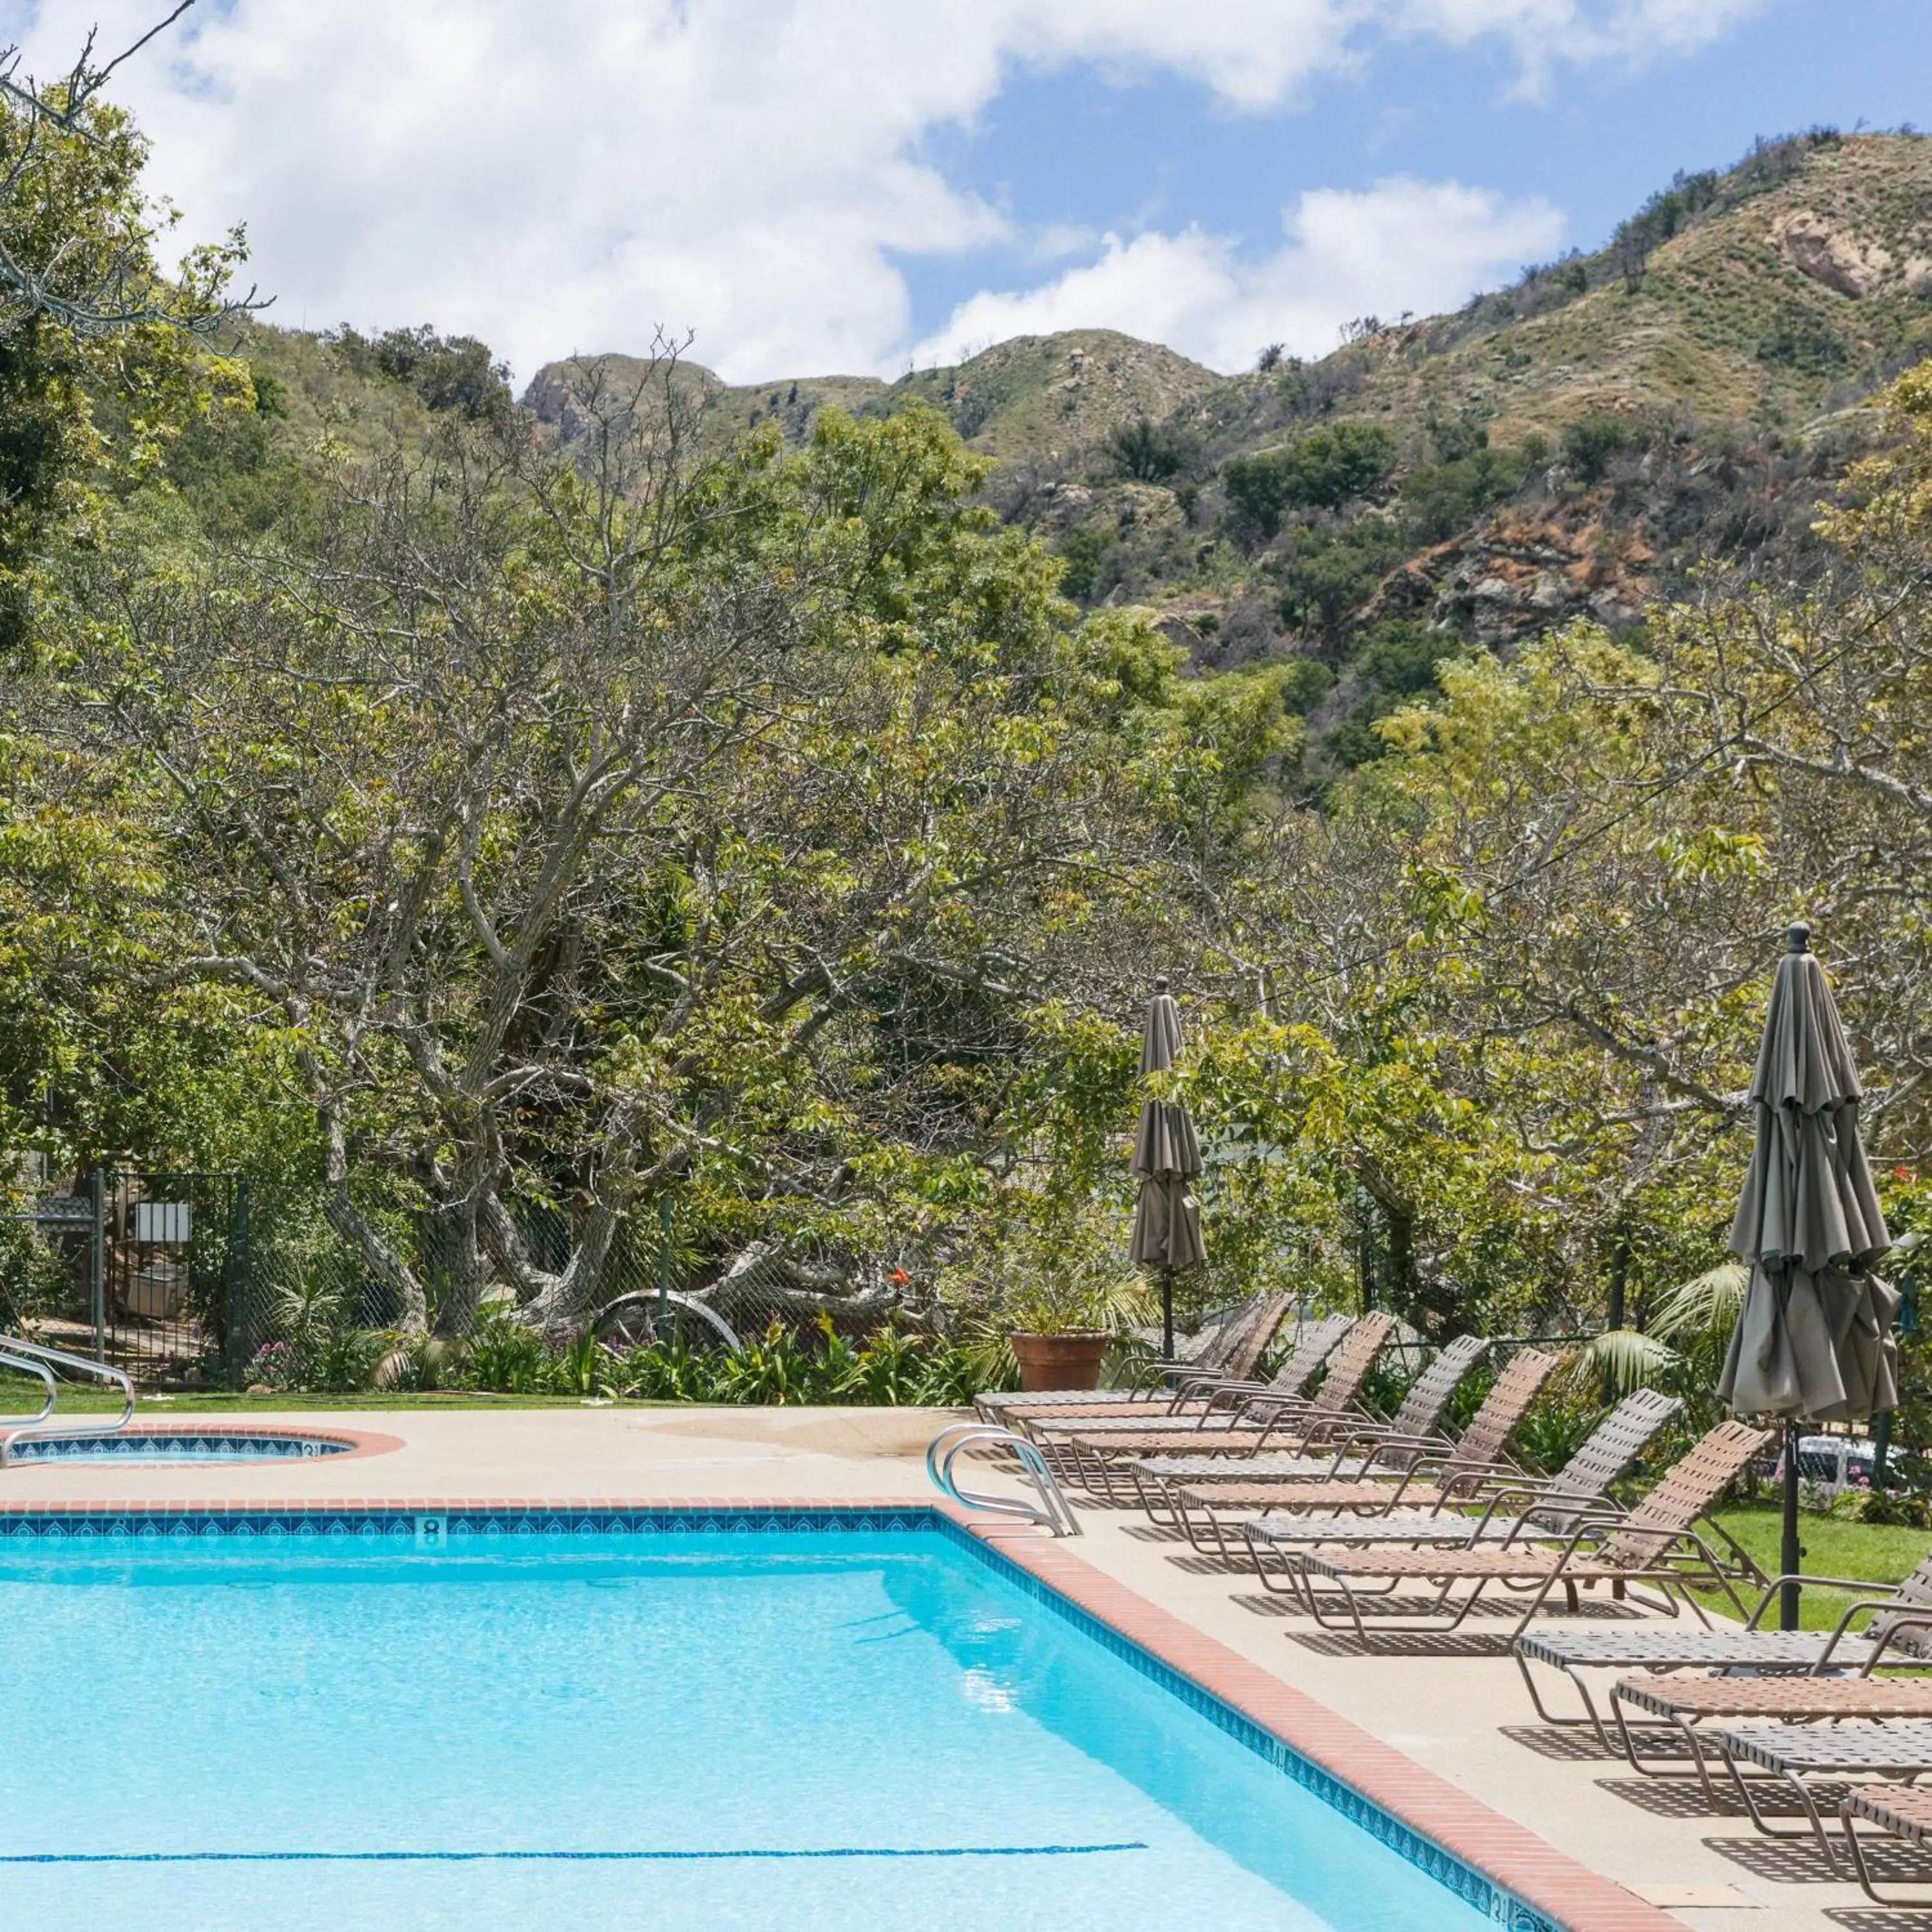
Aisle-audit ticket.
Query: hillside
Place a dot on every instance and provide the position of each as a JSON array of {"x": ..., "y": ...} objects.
[{"x": 1569, "y": 445}]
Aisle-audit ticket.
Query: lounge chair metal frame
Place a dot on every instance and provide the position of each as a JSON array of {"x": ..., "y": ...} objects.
[
  {"x": 1900, "y": 1811},
  {"x": 1753, "y": 1648},
  {"x": 1099, "y": 1460},
  {"x": 1651, "y": 1552},
  {"x": 1552, "y": 1504},
  {"x": 1190, "y": 1493}
]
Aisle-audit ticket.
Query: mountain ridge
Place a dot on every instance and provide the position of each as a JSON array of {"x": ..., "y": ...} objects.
[{"x": 1571, "y": 445}]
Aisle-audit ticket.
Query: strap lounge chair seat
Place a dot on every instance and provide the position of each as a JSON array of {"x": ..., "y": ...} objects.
[
  {"x": 1685, "y": 1703},
  {"x": 1900, "y": 1629},
  {"x": 1896, "y": 1615},
  {"x": 1096, "y": 1455},
  {"x": 1516, "y": 1508},
  {"x": 1653, "y": 1545},
  {"x": 1902, "y": 1811},
  {"x": 1231, "y": 1352},
  {"x": 1202, "y": 1493},
  {"x": 1793, "y": 1754}
]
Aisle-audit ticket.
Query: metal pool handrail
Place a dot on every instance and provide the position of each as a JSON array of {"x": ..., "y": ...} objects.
[
  {"x": 28, "y": 1367},
  {"x": 18, "y": 1352},
  {"x": 1052, "y": 1512}
]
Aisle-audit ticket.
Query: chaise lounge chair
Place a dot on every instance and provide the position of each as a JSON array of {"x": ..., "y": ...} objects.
[
  {"x": 1186, "y": 1391},
  {"x": 1201, "y": 1356},
  {"x": 1097, "y": 1456},
  {"x": 1373, "y": 1469},
  {"x": 1751, "y": 1648},
  {"x": 1654, "y": 1546},
  {"x": 1519, "y": 1507}
]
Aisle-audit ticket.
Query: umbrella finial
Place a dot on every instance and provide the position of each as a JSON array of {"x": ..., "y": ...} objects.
[
  {"x": 1801, "y": 938},
  {"x": 1160, "y": 983}
]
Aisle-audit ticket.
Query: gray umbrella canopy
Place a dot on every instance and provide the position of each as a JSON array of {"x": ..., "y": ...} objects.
[
  {"x": 1814, "y": 1337},
  {"x": 1167, "y": 1156}
]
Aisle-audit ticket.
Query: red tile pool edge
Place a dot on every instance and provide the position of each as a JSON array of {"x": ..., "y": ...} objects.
[{"x": 1550, "y": 1882}]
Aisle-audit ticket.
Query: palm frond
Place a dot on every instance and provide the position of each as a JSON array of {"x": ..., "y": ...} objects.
[
  {"x": 1620, "y": 1359},
  {"x": 1707, "y": 1305}
]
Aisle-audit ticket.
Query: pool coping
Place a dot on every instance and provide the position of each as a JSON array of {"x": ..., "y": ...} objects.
[{"x": 1500, "y": 1868}]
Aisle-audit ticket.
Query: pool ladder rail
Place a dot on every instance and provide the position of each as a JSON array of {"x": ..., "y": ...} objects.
[
  {"x": 1052, "y": 1512},
  {"x": 30, "y": 1358}
]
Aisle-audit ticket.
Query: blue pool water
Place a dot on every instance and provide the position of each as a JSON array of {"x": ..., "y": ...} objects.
[{"x": 871, "y": 1732}]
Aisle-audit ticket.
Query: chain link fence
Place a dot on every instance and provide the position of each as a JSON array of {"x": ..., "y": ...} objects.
[{"x": 186, "y": 1278}]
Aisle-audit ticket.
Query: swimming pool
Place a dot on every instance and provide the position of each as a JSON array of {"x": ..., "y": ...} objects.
[{"x": 482, "y": 1724}]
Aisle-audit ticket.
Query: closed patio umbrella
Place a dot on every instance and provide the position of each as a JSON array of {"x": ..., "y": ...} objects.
[
  {"x": 1813, "y": 1339},
  {"x": 1167, "y": 1156}
]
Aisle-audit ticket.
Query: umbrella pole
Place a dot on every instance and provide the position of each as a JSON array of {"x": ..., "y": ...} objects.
[
  {"x": 1790, "y": 1558},
  {"x": 1167, "y": 1315}
]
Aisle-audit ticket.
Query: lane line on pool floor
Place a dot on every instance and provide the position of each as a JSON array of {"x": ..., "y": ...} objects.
[{"x": 738, "y": 1854}]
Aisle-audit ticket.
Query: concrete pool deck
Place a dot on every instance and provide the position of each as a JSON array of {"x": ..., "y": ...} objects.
[{"x": 1463, "y": 1721}]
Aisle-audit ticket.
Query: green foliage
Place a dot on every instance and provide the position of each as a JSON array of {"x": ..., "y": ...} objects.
[
  {"x": 507, "y": 1358},
  {"x": 1801, "y": 340},
  {"x": 1086, "y": 549},
  {"x": 1330, "y": 572},
  {"x": 1305, "y": 682},
  {"x": 890, "y": 1368},
  {"x": 1591, "y": 442},
  {"x": 1660, "y": 218},
  {"x": 448, "y": 372},
  {"x": 1148, "y": 453},
  {"x": 1322, "y": 470},
  {"x": 1554, "y": 1428},
  {"x": 1443, "y": 498}
]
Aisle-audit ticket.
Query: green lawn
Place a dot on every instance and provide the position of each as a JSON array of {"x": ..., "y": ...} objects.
[{"x": 1833, "y": 1546}]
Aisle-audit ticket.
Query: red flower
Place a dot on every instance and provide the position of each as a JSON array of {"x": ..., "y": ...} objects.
[{"x": 899, "y": 1276}]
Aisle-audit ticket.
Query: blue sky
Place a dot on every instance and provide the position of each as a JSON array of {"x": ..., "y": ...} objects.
[
  {"x": 1097, "y": 152},
  {"x": 807, "y": 185}
]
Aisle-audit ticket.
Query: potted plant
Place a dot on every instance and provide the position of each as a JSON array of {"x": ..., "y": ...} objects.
[
  {"x": 1060, "y": 1332},
  {"x": 1043, "y": 1281}
]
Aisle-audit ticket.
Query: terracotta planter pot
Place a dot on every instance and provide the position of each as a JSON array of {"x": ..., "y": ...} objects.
[{"x": 1070, "y": 1361}]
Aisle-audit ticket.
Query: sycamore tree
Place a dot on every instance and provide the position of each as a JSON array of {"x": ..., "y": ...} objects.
[{"x": 584, "y": 823}]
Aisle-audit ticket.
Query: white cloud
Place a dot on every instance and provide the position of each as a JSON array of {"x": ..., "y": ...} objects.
[
  {"x": 1402, "y": 244},
  {"x": 1542, "y": 32},
  {"x": 561, "y": 174}
]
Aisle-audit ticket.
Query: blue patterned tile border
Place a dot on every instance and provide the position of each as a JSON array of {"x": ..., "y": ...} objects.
[
  {"x": 1474, "y": 1887},
  {"x": 378, "y": 1524},
  {"x": 219, "y": 1446}
]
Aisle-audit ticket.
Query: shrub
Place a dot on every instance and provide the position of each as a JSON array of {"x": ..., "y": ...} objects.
[
  {"x": 506, "y": 1358},
  {"x": 1448, "y": 497},
  {"x": 1591, "y": 442},
  {"x": 448, "y": 372},
  {"x": 1086, "y": 550},
  {"x": 1321, "y": 471},
  {"x": 1893, "y": 1508},
  {"x": 1799, "y": 340},
  {"x": 1145, "y": 454},
  {"x": 1330, "y": 574}
]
